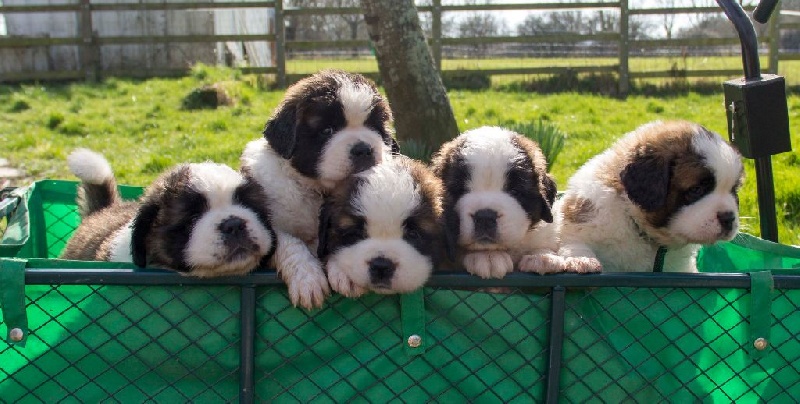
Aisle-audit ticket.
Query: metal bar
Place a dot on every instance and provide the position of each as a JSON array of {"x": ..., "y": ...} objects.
[
  {"x": 88, "y": 49},
  {"x": 747, "y": 35},
  {"x": 679, "y": 10},
  {"x": 774, "y": 41},
  {"x": 688, "y": 73},
  {"x": 247, "y": 354},
  {"x": 436, "y": 34},
  {"x": 455, "y": 280},
  {"x": 624, "y": 47},
  {"x": 280, "y": 45},
  {"x": 163, "y": 6},
  {"x": 557, "y": 308},
  {"x": 127, "y": 40},
  {"x": 766, "y": 199}
]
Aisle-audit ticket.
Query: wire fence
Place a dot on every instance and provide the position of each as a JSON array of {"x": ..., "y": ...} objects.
[{"x": 84, "y": 39}]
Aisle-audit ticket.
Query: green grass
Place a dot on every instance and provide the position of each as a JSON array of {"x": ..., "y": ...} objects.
[
  {"x": 788, "y": 68},
  {"x": 141, "y": 128}
]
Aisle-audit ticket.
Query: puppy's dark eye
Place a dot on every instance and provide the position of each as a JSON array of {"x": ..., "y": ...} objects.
[
  {"x": 411, "y": 231},
  {"x": 327, "y": 132},
  {"x": 351, "y": 235},
  {"x": 696, "y": 192}
]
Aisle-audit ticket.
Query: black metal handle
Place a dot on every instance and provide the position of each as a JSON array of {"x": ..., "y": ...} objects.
[
  {"x": 747, "y": 35},
  {"x": 763, "y": 10}
]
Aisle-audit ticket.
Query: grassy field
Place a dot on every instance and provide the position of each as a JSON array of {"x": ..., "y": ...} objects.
[
  {"x": 788, "y": 68},
  {"x": 141, "y": 128}
]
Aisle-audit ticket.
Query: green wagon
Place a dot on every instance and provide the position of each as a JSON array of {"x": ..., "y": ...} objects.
[{"x": 89, "y": 332}]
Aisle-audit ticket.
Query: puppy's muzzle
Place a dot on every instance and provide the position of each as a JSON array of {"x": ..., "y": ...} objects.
[
  {"x": 485, "y": 221},
  {"x": 235, "y": 235},
  {"x": 381, "y": 270},
  {"x": 362, "y": 156},
  {"x": 726, "y": 220}
]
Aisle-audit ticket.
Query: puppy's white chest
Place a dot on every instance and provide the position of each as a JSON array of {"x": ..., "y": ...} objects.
[{"x": 297, "y": 213}]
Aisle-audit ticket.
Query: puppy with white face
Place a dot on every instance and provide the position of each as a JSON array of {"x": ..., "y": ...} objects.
[
  {"x": 380, "y": 232},
  {"x": 328, "y": 127},
  {"x": 497, "y": 201},
  {"x": 200, "y": 219},
  {"x": 666, "y": 184}
]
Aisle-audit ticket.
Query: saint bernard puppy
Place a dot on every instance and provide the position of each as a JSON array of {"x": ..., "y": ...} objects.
[
  {"x": 328, "y": 127},
  {"x": 497, "y": 202},
  {"x": 200, "y": 219},
  {"x": 666, "y": 184},
  {"x": 380, "y": 232}
]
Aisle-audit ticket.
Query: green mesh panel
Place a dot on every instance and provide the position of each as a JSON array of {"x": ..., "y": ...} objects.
[{"x": 92, "y": 343}]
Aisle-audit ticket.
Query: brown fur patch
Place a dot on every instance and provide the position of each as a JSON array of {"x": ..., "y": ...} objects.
[
  {"x": 91, "y": 241},
  {"x": 577, "y": 209},
  {"x": 547, "y": 185},
  {"x": 665, "y": 148}
]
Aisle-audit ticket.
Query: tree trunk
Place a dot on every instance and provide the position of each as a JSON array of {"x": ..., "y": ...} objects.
[{"x": 418, "y": 98}]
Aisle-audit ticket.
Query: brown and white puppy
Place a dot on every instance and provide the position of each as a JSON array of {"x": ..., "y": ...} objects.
[
  {"x": 381, "y": 232},
  {"x": 328, "y": 127},
  {"x": 200, "y": 219},
  {"x": 666, "y": 184},
  {"x": 497, "y": 203}
]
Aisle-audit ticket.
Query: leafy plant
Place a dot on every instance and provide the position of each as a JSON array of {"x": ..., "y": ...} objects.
[
  {"x": 417, "y": 150},
  {"x": 549, "y": 137}
]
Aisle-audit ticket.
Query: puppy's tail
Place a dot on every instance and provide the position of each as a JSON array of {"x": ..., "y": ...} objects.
[{"x": 98, "y": 189}]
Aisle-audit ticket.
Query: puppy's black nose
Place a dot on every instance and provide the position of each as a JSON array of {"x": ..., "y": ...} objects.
[
  {"x": 362, "y": 156},
  {"x": 381, "y": 270},
  {"x": 360, "y": 150},
  {"x": 232, "y": 227},
  {"x": 726, "y": 220},
  {"x": 485, "y": 224}
]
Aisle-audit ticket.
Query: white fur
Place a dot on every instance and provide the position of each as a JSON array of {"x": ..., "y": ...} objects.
[
  {"x": 206, "y": 247},
  {"x": 120, "y": 248},
  {"x": 356, "y": 99},
  {"x": 89, "y": 166},
  {"x": 301, "y": 271},
  {"x": 612, "y": 238},
  {"x": 335, "y": 164},
  {"x": 352, "y": 264},
  {"x": 387, "y": 197},
  {"x": 489, "y": 153},
  {"x": 295, "y": 199},
  {"x": 217, "y": 182},
  {"x": 512, "y": 221}
]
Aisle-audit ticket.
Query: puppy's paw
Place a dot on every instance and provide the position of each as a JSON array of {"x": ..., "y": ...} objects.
[
  {"x": 309, "y": 288},
  {"x": 582, "y": 265},
  {"x": 489, "y": 264},
  {"x": 342, "y": 284},
  {"x": 543, "y": 263}
]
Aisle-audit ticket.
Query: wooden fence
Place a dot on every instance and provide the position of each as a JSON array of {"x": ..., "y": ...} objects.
[{"x": 89, "y": 43}]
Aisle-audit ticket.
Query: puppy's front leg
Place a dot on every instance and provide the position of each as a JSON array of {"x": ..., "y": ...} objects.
[
  {"x": 488, "y": 264},
  {"x": 580, "y": 258},
  {"x": 543, "y": 261},
  {"x": 301, "y": 271}
]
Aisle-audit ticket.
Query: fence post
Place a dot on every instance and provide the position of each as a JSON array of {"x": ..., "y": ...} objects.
[
  {"x": 774, "y": 39},
  {"x": 624, "y": 79},
  {"x": 88, "y": 51},
  {"x": 436, "y": 33},
  {"x": 280, "y": 45}
]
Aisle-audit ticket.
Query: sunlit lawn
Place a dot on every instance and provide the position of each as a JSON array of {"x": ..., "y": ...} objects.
[{"x": 140, "y": 127}]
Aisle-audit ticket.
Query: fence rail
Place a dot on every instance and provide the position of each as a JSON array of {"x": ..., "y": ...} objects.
[{"x": 90, "y": 45}]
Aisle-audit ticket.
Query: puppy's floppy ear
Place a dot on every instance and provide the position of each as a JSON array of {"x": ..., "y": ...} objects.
[
  {"x": 140, "y": 229},
  {"x": 550, "y": 191},
  {"x": 325, "y": 215},
  {"x": 646, "y": 180},
  {"x": 280, "y": 130},
  {"x": 451, "y": 227}
]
